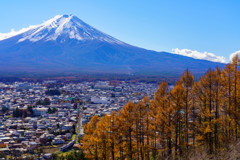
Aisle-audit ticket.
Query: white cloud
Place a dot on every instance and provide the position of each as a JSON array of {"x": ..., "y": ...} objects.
[
  {"x": 13, "y": 32},
  {"x": 234, "y": 54},
  {"x": 199, "y": 55}
]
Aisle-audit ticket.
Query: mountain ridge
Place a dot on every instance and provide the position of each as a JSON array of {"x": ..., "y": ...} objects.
[{"x": 66, "y": 43}]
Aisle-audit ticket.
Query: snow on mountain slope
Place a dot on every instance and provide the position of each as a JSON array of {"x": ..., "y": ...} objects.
[
  {"x": 4, "y": 36},
  {"x": 65, "y": 26}
]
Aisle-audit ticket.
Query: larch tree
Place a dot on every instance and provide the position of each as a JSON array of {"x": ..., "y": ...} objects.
[
  {"x": 186, "y": 81},
  {"x": 235, "y": 95},
  {"x": 177, "y": 95},
  {"x": 161, "y": 113},
  {"x": 127, "y": 116},
  {"x": 227, "y": 81},
  {"x": 89, "y": 139}
]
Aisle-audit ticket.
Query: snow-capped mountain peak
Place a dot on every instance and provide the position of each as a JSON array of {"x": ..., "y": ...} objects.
[{"x": 63, "y": 27}]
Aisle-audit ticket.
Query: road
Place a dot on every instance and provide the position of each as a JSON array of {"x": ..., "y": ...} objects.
[
  {"x": 79, "y": 125},
  {"x": 79, "y": 132}
]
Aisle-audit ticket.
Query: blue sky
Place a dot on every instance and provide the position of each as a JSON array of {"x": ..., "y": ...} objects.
[{"x": 210, "y": 26}]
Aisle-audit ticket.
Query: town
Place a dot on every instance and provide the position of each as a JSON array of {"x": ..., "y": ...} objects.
[{"x": 41, "y": 118}]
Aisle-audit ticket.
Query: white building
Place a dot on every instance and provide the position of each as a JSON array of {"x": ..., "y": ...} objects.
[
  {"x": 40, "y": 111},
  {"x": 101, "y": 100}
]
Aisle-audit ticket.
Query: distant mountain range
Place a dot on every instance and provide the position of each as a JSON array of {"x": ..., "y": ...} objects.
[{"x": 67, "y": 44}]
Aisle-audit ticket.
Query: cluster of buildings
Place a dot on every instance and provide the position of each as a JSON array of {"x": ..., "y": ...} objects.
[{"x": 31, "y": 118}]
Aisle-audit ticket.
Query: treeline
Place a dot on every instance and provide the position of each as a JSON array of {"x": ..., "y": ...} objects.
[
  {"x": 22, "y": 112},
  {"x": 44, "y": 102},
  {"x": 53, "y": 92},
  {"x": 192, "y": 117}
]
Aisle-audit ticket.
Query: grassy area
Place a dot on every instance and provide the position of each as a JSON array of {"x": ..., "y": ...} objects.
[
  {"x": 73, "y": 136},
  {"x": 50, "y": 149},
  {"x": 65, "y": 153}
]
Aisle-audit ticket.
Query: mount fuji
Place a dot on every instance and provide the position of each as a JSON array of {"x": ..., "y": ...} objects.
[{"x": 67, "y": 44}]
